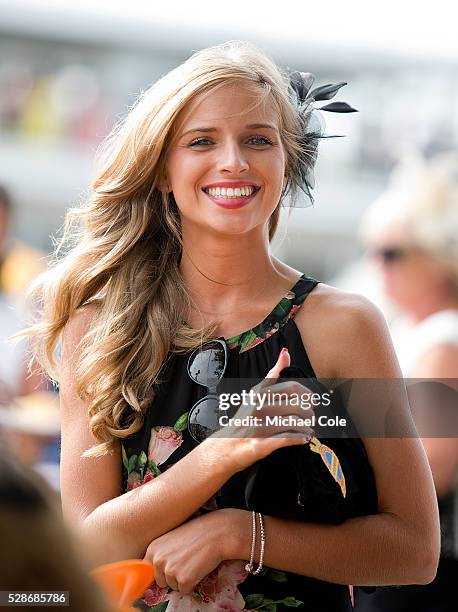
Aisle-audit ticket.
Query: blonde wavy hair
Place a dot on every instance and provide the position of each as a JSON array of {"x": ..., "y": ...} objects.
[{"x": 121, "y": 250}]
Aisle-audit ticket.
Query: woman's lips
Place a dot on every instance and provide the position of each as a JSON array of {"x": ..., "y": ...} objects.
[{"x": 233, "y": 202}]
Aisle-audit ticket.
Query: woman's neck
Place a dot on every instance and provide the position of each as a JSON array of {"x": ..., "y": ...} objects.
[
  {"x": 426, "y": 308},
  {"x": 225, "y": 273}
]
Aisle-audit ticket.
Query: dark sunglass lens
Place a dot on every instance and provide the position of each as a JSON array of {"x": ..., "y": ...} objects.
[
  {"x": 206, "y": 365},
  {"x": 203, "y": 419},
  {"x": 390, "y": 255}
]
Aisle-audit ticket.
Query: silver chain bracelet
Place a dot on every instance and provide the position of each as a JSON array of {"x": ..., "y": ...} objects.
[{"x": 249, "y": 567}]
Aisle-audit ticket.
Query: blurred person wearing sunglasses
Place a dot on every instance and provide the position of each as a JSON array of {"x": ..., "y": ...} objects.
[
  {"x": 412, "y": 233},
  {"x": 171, "y": 286},
  {"x": 38, "y": 552}
]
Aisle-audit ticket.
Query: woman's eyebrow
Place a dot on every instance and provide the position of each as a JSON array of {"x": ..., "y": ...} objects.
[
  {"x": 252, "y": 126},
  {"x": 199, "y": 129},
  {"x": 256, "y": 126}
]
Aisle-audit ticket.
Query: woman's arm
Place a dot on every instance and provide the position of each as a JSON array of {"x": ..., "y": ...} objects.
[
  {"x": 401, "y": 544},
  {"x": 371, "y": 550},
  {"x": 119, "y": 526},
  {"x": 382, "y": 549}
]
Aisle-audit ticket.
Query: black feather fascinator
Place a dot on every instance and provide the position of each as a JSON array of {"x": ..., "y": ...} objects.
[{"x": 312, "y": 127}]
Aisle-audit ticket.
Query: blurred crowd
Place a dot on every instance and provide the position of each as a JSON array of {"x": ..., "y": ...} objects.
[
  {"x": 28, "y": 409},
  {"x": 411, "y": 235},
  {"x": 46, "y": 105}
]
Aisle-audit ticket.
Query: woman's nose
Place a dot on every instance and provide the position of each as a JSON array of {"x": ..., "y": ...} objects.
[{"x": 232, "y": 159}]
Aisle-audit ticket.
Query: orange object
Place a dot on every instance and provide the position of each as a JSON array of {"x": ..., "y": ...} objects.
[{"x": 124, "y": 581}]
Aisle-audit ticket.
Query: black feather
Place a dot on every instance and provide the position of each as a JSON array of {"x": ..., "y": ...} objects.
[
  {"x": 338, "y": 107},
  {"x": 301, "y": 82},
  {"x": 325, "y": 92},
  {"x": 312, "y": 127}
]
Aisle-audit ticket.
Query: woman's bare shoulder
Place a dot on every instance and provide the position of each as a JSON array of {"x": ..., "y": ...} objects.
[
  {"x": 337, "y": 302},
  {"x": 345, "y": 334}
]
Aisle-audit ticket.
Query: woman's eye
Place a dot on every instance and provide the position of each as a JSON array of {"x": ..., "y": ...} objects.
[
  {"x": 200, "y": 141},
  {"x": 260, "y": 140},
  {"x": 253, "y": 140}
]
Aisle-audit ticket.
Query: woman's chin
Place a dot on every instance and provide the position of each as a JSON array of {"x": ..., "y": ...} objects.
[
  {"x": 231, "y": 228},
  {"x": 233, "y": 225}
]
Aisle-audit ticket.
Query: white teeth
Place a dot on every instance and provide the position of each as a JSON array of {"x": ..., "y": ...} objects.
[{"x": 236, "y": 192}]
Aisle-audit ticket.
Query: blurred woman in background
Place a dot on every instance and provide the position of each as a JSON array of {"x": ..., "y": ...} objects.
[{"x": 412, "y": 233}]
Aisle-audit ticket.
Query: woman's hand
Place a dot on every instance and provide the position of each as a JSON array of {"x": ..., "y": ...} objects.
[
  {"x": 187, "y": 554},
  {"x": 242, "y": 445}
]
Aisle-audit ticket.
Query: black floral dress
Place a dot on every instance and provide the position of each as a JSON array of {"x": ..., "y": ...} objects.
[{"x": 164, "y": 440}]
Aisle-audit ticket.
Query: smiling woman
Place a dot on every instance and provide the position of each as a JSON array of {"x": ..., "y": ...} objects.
[
  {"x": 237, "y": 148},
  {"x": 166, "y": 289}
]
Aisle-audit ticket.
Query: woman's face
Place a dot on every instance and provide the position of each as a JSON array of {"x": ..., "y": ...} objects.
[
  {"x": 226, "y": 167},
  {"x": 409, "y": 274}
]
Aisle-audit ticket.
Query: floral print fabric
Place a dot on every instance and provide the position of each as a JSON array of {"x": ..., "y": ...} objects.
[{"x": 280, "y": 315}]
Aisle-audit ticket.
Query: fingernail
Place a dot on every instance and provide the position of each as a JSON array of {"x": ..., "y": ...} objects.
[{"x": 284, "y": 351}]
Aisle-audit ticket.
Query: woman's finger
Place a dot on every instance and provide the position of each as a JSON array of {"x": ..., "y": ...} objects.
[
  {"x": 172, "y": 582},
  {"x": 159, "y": 577},
  {"x": 285, "y": 439},
  {"x": 282, "y": 428},
  {"x": 289, "y": 387},
  {"x": 283, "y": 361},
  {"x": 284, "y": 409}
]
